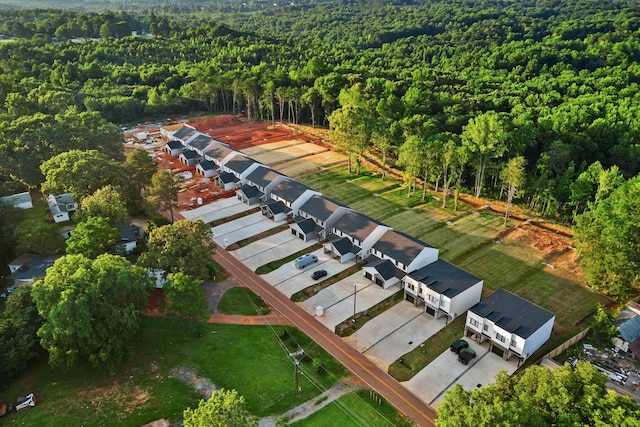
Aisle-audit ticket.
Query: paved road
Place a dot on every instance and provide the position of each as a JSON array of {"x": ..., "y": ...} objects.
[{"x": 381, "y": 382}]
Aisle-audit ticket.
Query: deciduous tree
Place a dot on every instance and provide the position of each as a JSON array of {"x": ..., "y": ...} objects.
[
  {"x": 182, "y": 247},
  {"x": 91, "y": 309},
  {"x": 93, "y": 237},
  {"x": 185, "y": 296},
  {"x": 38, "y": 237},
  {"x": 513, "y": 176},
  {"x": 225, "y": 408},
  {"x": 163, "y": 192},
  {"x": 106, "y": 203}
]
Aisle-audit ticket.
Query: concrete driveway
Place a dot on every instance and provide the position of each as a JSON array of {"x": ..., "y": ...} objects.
[
  {"x": 338, "y": 299},
  {"x": 219, "y": 209},
  {"x": 241, "y": 228},
  {"x": 271, "y": 248},
  {"x": 304, "y": 280},
  {"x": 289, "y": 269},
  {"x": 432, "y": 382}
]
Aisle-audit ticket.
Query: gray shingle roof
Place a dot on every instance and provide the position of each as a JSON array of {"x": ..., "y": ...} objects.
[
  {"x": 400, "y": 246},
  {"x": 384, "y": 267},
  {"x": 207, "y": 165},
  {"x": 512, "y": 313},
  {"x": 306, "y": 225},
  {"x": 184, "y": 133},
  {"x": 262, "y": 176},
  {"x": 342, "y": 245},
  {"x": 277, "y": 207},
  {"x": 200, "y": 142},
  {"x": 319, "y": 207},
  {"x": 250, "y": 191},
  {"x": 190, "y": 154},
  {"x": 355, "y": 225},
  {"x": 289, "y": 190},
  {"x": 218, "y": 152},
  {"x": 174, "y": 144},
  {"x": 227, "y": 177},
  {"x": 32, "y": 266},
  {"x": 445, "y": 278},
  {"x": 239, "y": 163}
]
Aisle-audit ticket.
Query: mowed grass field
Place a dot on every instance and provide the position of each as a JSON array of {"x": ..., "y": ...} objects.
[
  {"x": 251, "y": 359},
  {"x": 469, "y": 239}
]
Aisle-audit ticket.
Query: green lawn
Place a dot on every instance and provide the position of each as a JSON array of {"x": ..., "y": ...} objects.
[
  {"x": 241, "y": 300},
  {"x": 356, "y": 409},
  {"x": 250, "y": 359},
  {"x": 470, "y": 240}
]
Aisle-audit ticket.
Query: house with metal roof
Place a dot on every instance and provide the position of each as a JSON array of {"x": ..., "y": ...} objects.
[
  {"x": 511, "y": 325},
  {"x": 628, "y": 326},
  {"x": 19, "y": 200},
  {"x": 443, "y": 289},
  {"x": 323, "y": 211},
  {"x": 361, "y": 231}
]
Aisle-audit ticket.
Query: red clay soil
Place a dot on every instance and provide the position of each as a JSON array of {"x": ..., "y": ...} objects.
[{"x": 156, "y": 300}]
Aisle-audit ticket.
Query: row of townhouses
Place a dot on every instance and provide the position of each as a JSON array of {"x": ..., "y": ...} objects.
[{"x": 512, "y": 326}]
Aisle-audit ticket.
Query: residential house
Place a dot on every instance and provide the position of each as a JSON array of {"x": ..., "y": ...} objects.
[
  {"x": 361, "y": 231},
  {"x": 199, "y": 143},
  {"x": 291, "y": 193},
  {"x": 184, "y": 134},
  {"x": 628, "y": 339},
  {"x": 382, "y": 272},
  {"x": 206, "y": 168},
  {"x": 61, "y": 206},
  {"x": 304, "y": 228},
  {"x": 249, "y": 194},
  {"x": 19, "y": 200},
  {"x": 219, "y": 153},
  {"x": 263, "y": 178},
  {"x": 276, "y": 210},
  {"x": 443, "y": 288},
  {"x": 167, "y": 131},
  {"x": 128, "y": 238},
  {"x": 189, "y": 157},
  {"x": 512, "y": 325},
  {"x": 173, "y": 147},
  {"x": 227, "y": 181},
  {"x": 28, "y": 268},
  {"x": 240, "y": 166},
  {"x": 323, "y": 211},
  {"x": 405, "y": 252}
]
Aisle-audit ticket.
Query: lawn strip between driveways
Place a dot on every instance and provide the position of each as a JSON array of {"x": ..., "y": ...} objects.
[
  {"x": 244, "y": 242},
  {"x": 226, "y": 219},
  {"x": 307, "y": 293}
]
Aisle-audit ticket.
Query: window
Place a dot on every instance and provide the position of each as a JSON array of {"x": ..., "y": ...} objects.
[
  {"x": 442, "y": 302},
  {"x": 412, "y": 286},
  {"x": 433, "y": 299},
  {"x": 485, "y": 327},
  {"x": 500, "y": 337},
  {"x": 473, "y": 322},
  {"x": 513, "y": 343}
]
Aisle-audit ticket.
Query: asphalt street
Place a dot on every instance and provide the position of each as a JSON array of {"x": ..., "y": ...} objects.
[{"x": 379, "y": 381}]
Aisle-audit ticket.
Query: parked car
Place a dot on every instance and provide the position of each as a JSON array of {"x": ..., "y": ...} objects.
[
  {"x": 306, "y": 259},
  {"x": 466, "y": 355},
  {"x": 318, "y": 274},
  {"x": 458, "y": 346}
]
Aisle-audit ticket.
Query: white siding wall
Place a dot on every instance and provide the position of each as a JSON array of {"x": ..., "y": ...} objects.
[
  {"x": 465, "y": 300},
  {"x": 538, "y": 338},
  {"x": 472, "y": 317},
  {"x": 425, "y": 257}
]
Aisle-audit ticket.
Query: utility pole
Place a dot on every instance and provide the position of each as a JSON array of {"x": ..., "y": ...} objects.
[
  {"x": 296, "y": 362},
  {"x": 355, "y": 292}
]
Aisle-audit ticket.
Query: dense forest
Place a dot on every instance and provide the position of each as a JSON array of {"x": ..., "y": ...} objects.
[{"x": 449, "y": 91}]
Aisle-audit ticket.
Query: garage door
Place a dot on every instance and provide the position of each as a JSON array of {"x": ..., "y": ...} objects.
[
  {"x": 430, "y": 310},
  {"x": 379, "y": 281},
  {"x": 368, "y": 276},
  {"x": 497, "y": 350},
  {"x": 411, "y": 298}
]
